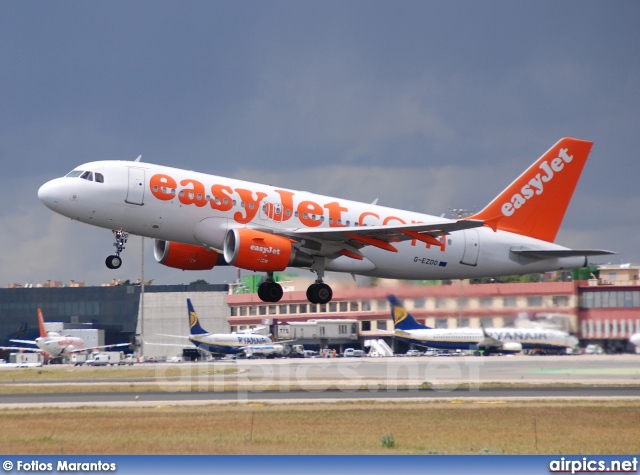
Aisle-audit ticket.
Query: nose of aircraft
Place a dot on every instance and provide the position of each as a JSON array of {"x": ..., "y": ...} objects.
[{"x": 49, "y": 194}]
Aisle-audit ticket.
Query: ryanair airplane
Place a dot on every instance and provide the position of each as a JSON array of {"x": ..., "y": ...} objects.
[
  {"x": 250, "y": 344},
  {"x": 490, "y": 340}
]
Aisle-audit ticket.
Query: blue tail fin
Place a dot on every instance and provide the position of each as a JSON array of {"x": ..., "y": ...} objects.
[
  {"x": 194, "y": 325},
  {"x": 402, "y": 320}
]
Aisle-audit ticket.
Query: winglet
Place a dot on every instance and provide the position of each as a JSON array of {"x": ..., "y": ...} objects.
[
  {"x": 194, "y": 324},
  {"x": 402, "y": 320},
  {"x": 43, "y": 332},
  {"x": 535, "y": 203}
]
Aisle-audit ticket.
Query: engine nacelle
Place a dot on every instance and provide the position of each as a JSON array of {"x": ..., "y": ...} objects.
[
  {"x": 259, "y": 251},
  {"x": 184, "y": 256},
  {"x": 511, "y": 347}
]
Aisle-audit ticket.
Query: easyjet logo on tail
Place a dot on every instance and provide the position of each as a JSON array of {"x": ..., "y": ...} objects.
[{"x": 536, "y": 185}]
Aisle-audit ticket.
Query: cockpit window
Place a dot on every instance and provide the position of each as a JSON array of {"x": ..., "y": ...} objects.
[{"x": 86, "y": 175}]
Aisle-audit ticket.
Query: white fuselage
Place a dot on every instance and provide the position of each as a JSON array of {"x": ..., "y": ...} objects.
[
  {"x": 471, "y": 337},
  {"x": 56, "y": 346},
  {"x": 170, "y": 204},
  {"x": 231, "y": 343}
]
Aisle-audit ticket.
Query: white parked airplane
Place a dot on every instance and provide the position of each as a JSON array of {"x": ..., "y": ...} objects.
[
  {"x": 201, "y": 220},
  {"x": 491, "y": 340},
  {"x": 55, "y": 345},
  {"x": 635, "y": 340},
  {"x": 251, "y": 344}
]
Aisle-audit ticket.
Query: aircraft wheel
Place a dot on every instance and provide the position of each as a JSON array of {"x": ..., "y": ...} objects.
[
  {"x": 270, "y": 292},
  {"x": 319, "y": 293},
  {"x": 310, "y": 293},
  {"x": 323, "y": 293},
  {"x": 274, "y": 292},
  {"x": 113, "y": 262}
]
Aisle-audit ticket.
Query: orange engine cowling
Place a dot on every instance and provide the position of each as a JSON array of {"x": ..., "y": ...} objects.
[
  {"x": 184, "y": 256},
  {"x": 259, "y": 251}
]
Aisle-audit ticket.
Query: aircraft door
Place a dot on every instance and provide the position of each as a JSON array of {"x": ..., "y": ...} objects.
[
  {"x": 471, "y": 247},
  {"x": 135, "y": 192},
  {"x": 271, "y": 211}
]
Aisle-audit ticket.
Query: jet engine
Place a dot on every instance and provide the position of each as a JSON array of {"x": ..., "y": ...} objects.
[
  {"x": 259, "y": 251},
  {"x": 511, "y": 347},
  {"x": 184, "y": 256}
]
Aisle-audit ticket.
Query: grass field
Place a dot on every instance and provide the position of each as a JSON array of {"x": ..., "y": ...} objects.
[{"x": 453, "y": 427}]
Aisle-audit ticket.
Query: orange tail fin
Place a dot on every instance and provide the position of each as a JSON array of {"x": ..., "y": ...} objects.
[
  {"x": 535, "y": 203},
  {"x": 43, "y": 332}
]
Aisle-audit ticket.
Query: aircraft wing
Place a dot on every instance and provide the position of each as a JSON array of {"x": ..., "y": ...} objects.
[
  {"x": 151, "y": 343},
  {"x": 79, "y": 350},
  {"x": 28, "y": 342},
  {"x": 353, "y": 238},
  {"x": 489, "y": 341},
  {"x": 20, "y": 348},
  {"x": 558, "y": 253}
]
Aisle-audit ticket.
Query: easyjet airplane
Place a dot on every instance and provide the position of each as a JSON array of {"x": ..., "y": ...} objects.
[
  {"x": 55, "y": 345},
  {"x": 199, "y": 221}
]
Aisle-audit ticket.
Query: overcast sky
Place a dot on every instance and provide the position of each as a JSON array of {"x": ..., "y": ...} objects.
[{"x": 426, "y": 105}]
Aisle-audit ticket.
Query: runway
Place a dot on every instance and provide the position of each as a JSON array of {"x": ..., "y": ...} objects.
[
  {"x": 339, "y": 379},
  {"x": 195, "y": 397}
]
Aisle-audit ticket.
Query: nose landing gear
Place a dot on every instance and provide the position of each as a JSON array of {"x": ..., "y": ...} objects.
[{"x": 114, "y": 261}]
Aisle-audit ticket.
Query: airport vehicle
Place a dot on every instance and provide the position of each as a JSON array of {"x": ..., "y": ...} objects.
[
  {"x": 54, "y": 345},
  {"x": 297, "y": 351},
  {"x": 593, "y": 350},
  {"x": 199, "y": 221},
  {"x": 489, "y": 340},
  {"x": 106, "y": 358},
  {"x": 78, "y": 359},
  {"x": 413, "y": 352},
  {"x": 249, "y": 344}
]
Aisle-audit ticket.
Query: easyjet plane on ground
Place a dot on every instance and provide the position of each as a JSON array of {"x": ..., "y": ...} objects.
[
  {"x": 200, "y": 220},
  {"x": 55, "y": 345}
]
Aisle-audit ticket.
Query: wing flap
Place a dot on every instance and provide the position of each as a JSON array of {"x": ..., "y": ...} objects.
[{"x": 335, "y": 241}]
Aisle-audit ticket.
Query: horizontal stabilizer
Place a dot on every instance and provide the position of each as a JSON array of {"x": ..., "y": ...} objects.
[{"x": 558, "y": 253}]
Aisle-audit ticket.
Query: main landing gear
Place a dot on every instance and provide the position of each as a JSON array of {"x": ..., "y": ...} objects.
[
  {"x": 270, "y": 290},
  {"x": 317, "y": 293},
  {"x": 114, "y": 261}
]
